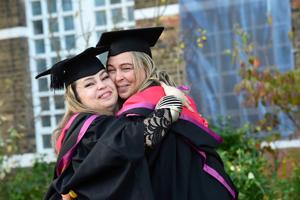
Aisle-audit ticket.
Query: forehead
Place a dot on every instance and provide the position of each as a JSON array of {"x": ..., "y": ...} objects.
[
  {"x": 101, "y": 72},
  {"x": 119, "y": 59}
]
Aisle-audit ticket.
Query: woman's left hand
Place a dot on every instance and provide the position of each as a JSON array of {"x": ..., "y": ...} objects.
[{"x": 169, "y": 90}]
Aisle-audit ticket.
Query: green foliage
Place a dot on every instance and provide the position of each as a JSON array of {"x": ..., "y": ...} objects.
[
  {"x": 27, "y": 183},
  {"x": 244, "y": 162},
  {"x": 266, "y": 84},
  {"x": 249, "y": 169}
]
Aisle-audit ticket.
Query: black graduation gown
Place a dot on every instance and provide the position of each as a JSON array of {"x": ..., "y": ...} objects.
[
  {"x": 185, "y": 165},
  {"x": 108, "y": 163}
]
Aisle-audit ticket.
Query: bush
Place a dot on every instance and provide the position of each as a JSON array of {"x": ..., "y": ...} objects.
[
  {"x": 249, "y": 169},
  {"x": 27, "y": 183}
]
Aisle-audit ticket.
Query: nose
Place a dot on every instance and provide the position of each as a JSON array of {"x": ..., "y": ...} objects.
[
  {"x": 100, "y": 85},
  {"x": 119, "y": 76}
]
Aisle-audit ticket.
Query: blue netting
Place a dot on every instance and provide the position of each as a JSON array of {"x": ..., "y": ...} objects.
[{"x": 211, "y": 73}]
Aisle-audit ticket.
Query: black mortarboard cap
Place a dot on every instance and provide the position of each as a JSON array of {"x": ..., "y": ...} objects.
[
  {"x": 71, "y": 69},
  {"x": 140, "y": 40}
]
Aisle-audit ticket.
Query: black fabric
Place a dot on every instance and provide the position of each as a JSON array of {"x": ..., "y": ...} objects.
[
  {"x": 108, "y": 163},
  {"x": 140, "y": 39},
  {"x": 67, "y": 71},
  {"x": 176, "y": 170}
]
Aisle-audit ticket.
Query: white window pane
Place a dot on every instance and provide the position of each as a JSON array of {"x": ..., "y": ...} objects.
[
  {"x": 36, "y": 8},
  {"x": 101, "y": 18},
  {"x": 43, "y": 84},
  {"x": 115, "y": 1},
  {"x": 70, "y": 42},
  {"x": 68, "y": 23},
  {"x": 52, "y": 6},
  {"x": 58, "y": 118},
  {"x": 39, "y": 46},
  {"x": 130, "y": 11},
  {"x": 40, "y": 65},
  {"x": 117, "y": 15},
  {"x": 45, "y": 103},
  {"x": 53, "y": 25},
  {"x": 59, "y": 102},
  {"x": 55, "y": 44},
  {"x": 99, "y": 2},
  {"x": 54, "y": 60},
  {"x": 47, "y": 141},
  {"x": 67, "y": 5},
  {"x": 46, "y": 122},
  {"x": 38, "y": 27}
]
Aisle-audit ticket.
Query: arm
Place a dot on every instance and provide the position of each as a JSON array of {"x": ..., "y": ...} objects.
[{"x": 157, "y": 124}]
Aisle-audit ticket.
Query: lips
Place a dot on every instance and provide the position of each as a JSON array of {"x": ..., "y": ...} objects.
[{"x": 105, "y": 95}]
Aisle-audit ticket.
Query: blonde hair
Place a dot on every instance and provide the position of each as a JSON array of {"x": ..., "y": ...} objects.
[
  {"x": 143, "y": 62},
  {"x": 73, "y": 105}
]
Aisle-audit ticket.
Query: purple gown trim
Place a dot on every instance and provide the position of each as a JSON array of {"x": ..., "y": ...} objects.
[
  {"x": 211, "y": 171},
  {"x": 66, "y": 159}
]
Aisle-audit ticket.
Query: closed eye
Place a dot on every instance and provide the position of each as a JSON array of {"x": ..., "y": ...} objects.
[{"x": 88, "y": 84}]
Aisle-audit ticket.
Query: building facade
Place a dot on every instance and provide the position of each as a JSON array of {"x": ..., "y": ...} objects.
[
  {"x": 35, "y": 34},
  {"x": 39, "y": 33}
]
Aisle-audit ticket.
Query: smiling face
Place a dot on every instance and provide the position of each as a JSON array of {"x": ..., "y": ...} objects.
[
  {"x": 97, "y": 92},
  {"x": 122, "y": 72}
]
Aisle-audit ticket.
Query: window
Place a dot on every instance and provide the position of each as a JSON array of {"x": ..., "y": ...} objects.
[
  {"x": 59, "y": 102},
  {"x": 58, "y": 118},
  {"x": 54, "y": 60},
  {"x": 40, "y": 65},
  {"x": 101, "y": 18},
  {"x": 130, "y": 11},
  {"x": 55, "y": 44},
  {"x": 117, "y": 15},
  {"x": 52, "y": 6},
  {"x": 115, "y": 1},
  {"x": 43, "y": 84},
  {"x": 44, "y": 103},
  {"x": 47, "y": 141},
  {"x": 46, "y": 122},
  {"x": 70, "y": 42},
  {"x": 39, "y": 46},
  {"x": 67, "y": 5},
  {"x": 36, "y": 8},
  {"x": 99, "y": 2},
  {"x": 53, "y": 25},
  {"x": 68, "y": 23},
  {"x": 38, "y": 27}
]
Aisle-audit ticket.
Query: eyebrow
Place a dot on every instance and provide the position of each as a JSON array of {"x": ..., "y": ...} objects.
[
  {"x": 87, "y": 79},
  {"x": 110, "y": 65},
  {"x": 102, "y": 72}
]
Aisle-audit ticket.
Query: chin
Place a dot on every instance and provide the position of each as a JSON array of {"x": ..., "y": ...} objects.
[{"x": 124, "y": 96}]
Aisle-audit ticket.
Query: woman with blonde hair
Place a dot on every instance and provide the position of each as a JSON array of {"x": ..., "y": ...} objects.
[
  {"x": 101, "y": 156},
  {"x": 185, "y": 165}
]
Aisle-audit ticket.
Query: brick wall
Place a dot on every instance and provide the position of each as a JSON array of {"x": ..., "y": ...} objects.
[
  {"x": 12, "y": 13},
  {"x": 166, "y": 53},
  {"x": 15, "y": 91},
  {"x": 153, "y": 3}
]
